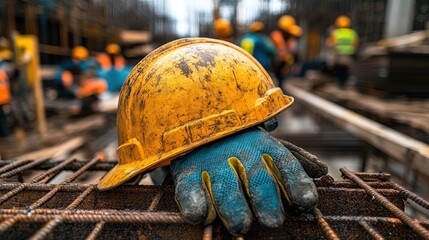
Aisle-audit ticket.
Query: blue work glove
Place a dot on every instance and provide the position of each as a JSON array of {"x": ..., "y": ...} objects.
[{"x": 210, "y": 181}]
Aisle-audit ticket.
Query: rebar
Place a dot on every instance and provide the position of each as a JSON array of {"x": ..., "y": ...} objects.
[
  {"x": 387, "y": 204},
  {"x": 329, "y": 232},
  {"x": 411, "y": 195},
  {"x": 12, "y": 165},
  {"x": 208, "y": 232},
  {"x": 371, "y": 230},
  {"x": 97, "y": 229}
]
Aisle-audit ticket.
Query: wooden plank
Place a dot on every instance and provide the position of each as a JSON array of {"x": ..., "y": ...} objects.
[
  {"x": 55, "y": 151},
  {"x": 391, "y": 142}
]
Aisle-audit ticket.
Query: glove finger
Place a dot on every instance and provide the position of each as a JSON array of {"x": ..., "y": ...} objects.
[
  {"x": 298, "y": 188},
  {"x": 229, "y": 200},
  {"x": 311, "y": 163},
  {"x": 262, "y": 189},
  {"x": 191, "y": 199}
]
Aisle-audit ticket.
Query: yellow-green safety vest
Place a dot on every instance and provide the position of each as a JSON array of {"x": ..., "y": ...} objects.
[{"x": 345, "y": 39}]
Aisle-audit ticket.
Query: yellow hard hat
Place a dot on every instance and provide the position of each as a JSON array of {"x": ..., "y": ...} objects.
[
  {"x": 285, "y": 22},
  {"x": 342, "y": 21},
  {"x": 256, "y": 26},
  {"x": 222, "y": 28},
  {"x": 113, "y": 49},
  {"x": 185, "y": 94},
  {"x": 80, "y": 53},
  {"x": 295, "y": 30}
]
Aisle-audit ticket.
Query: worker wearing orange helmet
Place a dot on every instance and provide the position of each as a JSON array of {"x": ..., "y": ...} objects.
[
  {"x": 71, "y": 70},
  {"x": 112, "y": 67},
  {"x": 344, "y": 40},
  {"x": 285, "y": 39},
  {"x": 222, "y": 29},
  {"x": 200, "y": 106},
  {"x": 6, "y": 56},
  {"x": 5, "y": 98},
  {"x": 259, "y": 45}
]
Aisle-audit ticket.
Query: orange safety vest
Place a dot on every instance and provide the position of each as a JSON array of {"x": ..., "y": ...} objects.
[
  {"x": 4, "y": 88},
  {"x": 91, "y": 86},
  {"x": 283, "y": 48}
]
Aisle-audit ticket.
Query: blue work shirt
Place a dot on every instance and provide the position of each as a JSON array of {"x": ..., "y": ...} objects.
[{"x": 260, "y": 47}]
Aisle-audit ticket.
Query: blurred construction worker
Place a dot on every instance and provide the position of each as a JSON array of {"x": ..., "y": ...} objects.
[
  {"x": 201, "y": 105},
  {"x": 6, "y": 57},
  {"x": 70, "y": 71},
  {"x": 112, "y": 67},
  {"x": 345, "y": 41},
  {"x": 259, "y": 45},
  {"x": 5, "y": 98},
  {"x": 223, "y": 30},
  {"x": 6, "y": 70},
  {"x": 285, "y": 40},
  {"x": 88, "y": 91}
]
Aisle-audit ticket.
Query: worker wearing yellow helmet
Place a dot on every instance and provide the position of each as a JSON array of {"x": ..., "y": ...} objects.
[
  {"x": 198, "y": 105},
  {"x": 222, "y": 29},
  {"x": 285, "y": 40},
  {"x": 344, "y": 40},
  {"x": 258, "y": 45}
]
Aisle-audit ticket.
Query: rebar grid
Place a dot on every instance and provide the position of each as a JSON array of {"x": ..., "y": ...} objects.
[
  {"x": 387, "y": 204},
  {"x": 375, "y": 185}
]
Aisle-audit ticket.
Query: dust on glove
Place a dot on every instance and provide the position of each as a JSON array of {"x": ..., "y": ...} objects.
[{"x": 244, "y": 173}]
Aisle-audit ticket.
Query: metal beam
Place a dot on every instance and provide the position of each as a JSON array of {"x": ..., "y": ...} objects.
[{"x": 393, "y": 143}]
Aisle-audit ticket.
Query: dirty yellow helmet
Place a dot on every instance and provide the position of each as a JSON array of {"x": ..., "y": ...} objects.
[
  {"x": 80, "y": 53},
  {"x": 342, "y": 22},
  {"x": 222, "y": 28},
  {"x": 113, "y": 49},
  {"x": 256, "y": 26},
  {"x": 185, "y": 94},
  {"x": 285, "y": 22},
  {"x": 295, "y": 31}
]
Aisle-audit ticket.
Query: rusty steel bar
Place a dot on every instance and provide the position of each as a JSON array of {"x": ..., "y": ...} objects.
[
  {"x": 208, "y": 232},
  {"x": 45, "y": 230},
  {"x": 321, "y": 221},
  {"x": 97, "y": 229},
  {"x": 411, "y": 195},
  {"x": 374, "y": 176},
  {"x": 42, "y": 176},
  {"x": 154, "y": 204},
  {"x": 328, "y": 189},
  {"x": 70, "y": 179},
  {"x": 387, "y": 204},
  {"x": 46, "y": 197},
  {"x": 7, "y": 223},
  {"x": 12, "y": 165},
  {"x": 49, "y": 226},
  {"x": 81, "y": 197},
  {"x": 105, "y": 165},
  {"x": 376, "y": 235},
  {"x": 79, "y": 172},
  {"x": 53, "y": 170},
  {"x": 15, "y": 171},
  {"x": 142, "y": 217}
]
